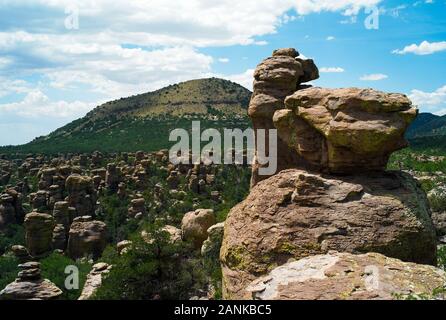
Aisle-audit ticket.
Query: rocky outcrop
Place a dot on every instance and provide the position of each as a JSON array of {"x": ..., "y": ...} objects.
[
  {"x": 29, "y": 285},
  {"x": 311, "y": 209},
  {"x": 211, "y": 246},
  {"x": 296, "y": 214},
  {"x": 195, "y": 224},
  {"x": 137, "y": 208},
  {"x": 87, "y": 238},
  {"x": 81, "y": 194},
  {"x": 274, "y": 79},
  {"x": 94, "y": 280},
  {"x": 345, "y": 130},
  {"x": 344, "y": 276},
  {"x": 39, "y": 233}
]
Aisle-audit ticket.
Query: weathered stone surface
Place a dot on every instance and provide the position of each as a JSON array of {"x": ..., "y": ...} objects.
[
  {"x": 7, "y": 211},
  {"x": 211, "y": 246},
  {"x": 274, "y": 79},
  {"x": 345, "y": 130},
  {"x": 81, "y": 194},
  {"x": 94, "y": 280},
  {"x": 59, "y": 237},
  {"x": 195, "y": 224},
  {"x": 30, "y": 286},
  {"x": 344, "y": 276},
  {"x": 296, "y": 214},
  {"x": 39, "y": 233},
  {"x": 87, "y": 238}
]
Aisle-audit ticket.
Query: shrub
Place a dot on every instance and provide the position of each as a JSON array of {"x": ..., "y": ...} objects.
[
  {"x": 8, "y": 270},
  {"x": 14, "y": 234},
  {"x": 53, "y": 269},
  {"x": 155, "y": 270}
]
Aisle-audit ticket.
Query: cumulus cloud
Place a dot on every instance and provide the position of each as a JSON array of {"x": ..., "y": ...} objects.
[
  {"x": 331, "y": 70},
  {"x": 434, "y": 101},
  {"x": 37, "y": 104},
  {"x": 245, "y": 79},
  {"x": 330, "y": 38},
  {"x": 223, "y": 60},
  {"x": 424, "y": 48},
  {"x": 127, "y": 47},
  {"x": 374, "y": 77}
]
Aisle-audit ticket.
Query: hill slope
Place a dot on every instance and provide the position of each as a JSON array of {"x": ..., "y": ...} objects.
[
  {"x": 428, "y": 131},
  {"x": 143, "y": 122}
]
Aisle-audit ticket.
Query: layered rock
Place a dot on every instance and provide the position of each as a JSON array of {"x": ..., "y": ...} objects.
[
  {"x": 29, "y": 285},
  {"x": 296, "y": 214},
  {"x": 94, "y": 280},
  {"x": 343, "y": 276},
  {"x": 274, "y": 79},
  {"x": 307, "y": 210},
  {"x": 87, "y": 238},
  {"x": 81, "y": 194},
  {"x": 345, "y": 130},
  {"x": 39, "y": 233}
]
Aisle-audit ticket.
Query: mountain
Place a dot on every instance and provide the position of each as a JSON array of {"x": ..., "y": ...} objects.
[
  {"x": 428, "y": 131},
  {"x": 143, "y": 122}
]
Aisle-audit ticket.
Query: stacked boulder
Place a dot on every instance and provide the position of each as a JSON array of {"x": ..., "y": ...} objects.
[
  {"x": 39, "y": 233},
  {"x": 307, "y": 210},
  {"x": 81, "y": 194},
  {"x": 29, "y": 285},
  {"x": 274, "y": 79}
]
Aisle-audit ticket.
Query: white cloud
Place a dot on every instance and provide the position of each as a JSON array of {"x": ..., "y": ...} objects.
[
  {"x": 8, "y": 86},
  {"x": 430, "y": 101},
  {"x": 223, "y": 60},
  {"x": 330, "y": 38},
  {"x": 245, "y": 79},
  {"x": 331, "y": 70},
  {"x": 36, "y": 104},
  {"x": 373, "y": 77},
  {"x": 424, "y": 48},
  {"x": 125, "y": 47}
]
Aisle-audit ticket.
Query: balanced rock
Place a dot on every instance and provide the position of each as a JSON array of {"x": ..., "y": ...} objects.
[
  {"x": 275, "y": 78},
  {"x": 39, "y": 233},
  {"x": 87, "y": 238},
  {"x": 81, "y": 194},
  {"x": 296, "y": 214},
  {"x": 345, "y": 130},
  {"x": 344, "y": 276},
  {"x": 195, "y": 224},
  {"x": 30, "y": 286}
]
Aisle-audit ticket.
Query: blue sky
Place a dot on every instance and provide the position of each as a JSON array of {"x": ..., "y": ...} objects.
[{"x": 61, "y": 58}]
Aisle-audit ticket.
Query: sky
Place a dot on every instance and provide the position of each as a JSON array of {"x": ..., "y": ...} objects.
[{"x": 61, "y": 58}]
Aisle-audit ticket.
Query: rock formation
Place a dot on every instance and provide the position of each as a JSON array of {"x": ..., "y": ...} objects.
[
  {"x": 211, "y": 246},
  {"x": 81, "y": 194},
  {"x": 345, "y": 130},
  {"x": 87, "y": 238},
  {"x": 343, "y": 276},
  {"x": 39, "y": 233},
  {"x": 195, "y": 224},
  {"x": 274, "y": 79},
  {"x": 94, "y": 280},
  {"x": 310, "y": 208},
  {"x": 29, "y": 285}
]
